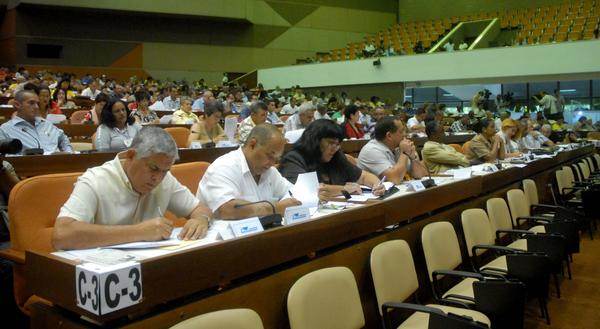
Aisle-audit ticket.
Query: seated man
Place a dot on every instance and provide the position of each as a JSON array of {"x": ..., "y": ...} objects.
[
  {"x": 460, "y": 125},
  {"x": 124, "y": 200},
  {"x": 546, "y": 132},
  {"x": 258, "y": 115},
  {"x": 34, "y": 132},
  {"x": 390, "y": 154},
  {"x": 416, "y": 123},
  {"x": 247, "y": 175},
  {"x": 437, "y": 156},
  {"x": 302, "y": 118},
  {"x": 486, "y": 146}
]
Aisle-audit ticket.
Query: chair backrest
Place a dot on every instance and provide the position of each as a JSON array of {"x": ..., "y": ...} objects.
[
  {"x": 457, "y": 147},
  {"x": 593, "y": 135},
  {"x": 530, "y": 190},
  {"x": 569, "y": 179},
  {"x": 393, "y": 271},
  {"x": 180, "y": 135},
  {"x": 31, "y": 225},
  {"x": 239, "y": 318},
  {"x": 81, "y": 146},
  {"x": 585, "y": 170},
  {"x": 326, "y": 298},
  {"x": 440, "y": 246},
  {"x": 597, "y": 158},
  {"x": 518, "y": 204},
  {"x": 77, "y": 117},
  {"x": 477, "y": 229},
  {"x": 591, "y": 164},
  {"x": 499, "y": 215},
  {"x": 465, "y": 148},
  {"x": 561, "y": 180},
  {"x": 190, "y": 173}
]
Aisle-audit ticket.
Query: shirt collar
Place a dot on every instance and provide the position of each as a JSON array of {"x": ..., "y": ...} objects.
[
  {"x": 243, "y": 161},
  {"x": 118, "y": 166},
  {"x": 17, "y": 120}
]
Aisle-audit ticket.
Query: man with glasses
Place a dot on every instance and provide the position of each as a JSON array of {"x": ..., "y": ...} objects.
[
  {"x": 247, "y": 175},
  {"x": 390, "y": 154}
]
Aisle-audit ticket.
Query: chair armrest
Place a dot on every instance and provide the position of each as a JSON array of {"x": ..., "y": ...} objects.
[
  {"x": 499, "y": 249},
  {"x": 463, "y": 274},
  {"x": 534, "y": 219},
  {"x": 513, "y": 231},
  {"x": 390, "y": 306},
  {"x": 13, "y": 255}
]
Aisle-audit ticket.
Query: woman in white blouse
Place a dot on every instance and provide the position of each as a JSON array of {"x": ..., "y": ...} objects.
[{"x": 117, "y": 128}]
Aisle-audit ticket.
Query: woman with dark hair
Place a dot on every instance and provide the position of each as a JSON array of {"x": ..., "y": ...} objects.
[
  {"x": 93, "y": 116},
  {"x": 352, "y": 128},
  {"x": 143, "y": 114},
  {"x": 60, "y": 98},
  {"x": 65, "y": 85},
  {"x": 318, "y": 149},
  {"x": 47, "y": 106},
  {"x": 209, "y": 129},
  {"x": 118, "y": 127}
]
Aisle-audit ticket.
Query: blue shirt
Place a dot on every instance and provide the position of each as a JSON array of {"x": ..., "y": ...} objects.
[
  {"x": 42, "y": 134},
  {"x": 198, "y": 104}
]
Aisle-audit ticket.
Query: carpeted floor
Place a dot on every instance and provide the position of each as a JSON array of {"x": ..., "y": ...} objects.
[{"x": 579, "y": 305}]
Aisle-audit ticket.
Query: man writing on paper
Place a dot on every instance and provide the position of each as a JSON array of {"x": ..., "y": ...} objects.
[
  {"x": 124, "y": 200},
  {"x": 247, "y": 175}
]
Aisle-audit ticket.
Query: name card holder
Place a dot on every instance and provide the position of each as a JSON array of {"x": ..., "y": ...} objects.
[
  {"x": 105, "y": 289},
  {"x": 246, "y": 226},
  {"x": 415, "y": 186},
  {"x": 295, "y": 215}
]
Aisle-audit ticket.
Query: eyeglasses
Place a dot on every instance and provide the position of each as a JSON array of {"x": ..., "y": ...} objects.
[{"x": 333, "y": 145}]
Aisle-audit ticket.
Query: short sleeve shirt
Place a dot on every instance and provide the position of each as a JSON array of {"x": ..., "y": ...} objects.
[
  {"x": 376, "y": 157},
  {"x": 229, "y": 178},
  {"x": 104, "y": 195}
]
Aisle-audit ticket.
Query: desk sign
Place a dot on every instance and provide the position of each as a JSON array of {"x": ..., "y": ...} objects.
[
  {"x": 415, "y": 186},
  {"x": 295, "y": 215},
  {"x": 105, "y": 289},
  {"x": 246, "y": 226}
]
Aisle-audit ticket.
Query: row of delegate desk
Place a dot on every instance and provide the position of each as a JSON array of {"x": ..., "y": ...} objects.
[
  {"x": 33, "y": 165},
  {"x": 257, "y": 271}
]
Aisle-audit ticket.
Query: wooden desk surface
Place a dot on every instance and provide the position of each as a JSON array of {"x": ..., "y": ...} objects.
[{"x": 264, "y": 254}]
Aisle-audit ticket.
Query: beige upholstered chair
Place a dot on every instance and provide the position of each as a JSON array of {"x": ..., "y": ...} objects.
[
  {"x": 327, "y": 299},
  {"x": 395, "y": 280},
  {"x": 240, "y": 318}
]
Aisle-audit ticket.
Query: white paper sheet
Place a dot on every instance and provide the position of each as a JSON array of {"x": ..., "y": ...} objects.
[
  {"x": 230, "y": 127},
  {"x": 294, "y": 135},
  {"x": 306, "y": 189}
]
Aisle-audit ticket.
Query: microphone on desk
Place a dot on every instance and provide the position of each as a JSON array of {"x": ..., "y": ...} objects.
[
  {"x": 268, "y": 221},
  {"x": 429, "y": 182},
  {"x": 33, "y": 151}
]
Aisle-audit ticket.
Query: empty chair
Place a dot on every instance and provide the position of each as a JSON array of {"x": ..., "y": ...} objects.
[
  {"x": 499, "y": 298},
  {"x": 326, "y": 298},
  {"x": 531, "y": 268},
  {"x": 180, "y": 135},
  {"x": 395, "y": 280},
  {"x": 240, "y": 318}
]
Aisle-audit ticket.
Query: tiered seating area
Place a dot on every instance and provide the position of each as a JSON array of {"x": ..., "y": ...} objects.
[{"x": 569, "y": 21}]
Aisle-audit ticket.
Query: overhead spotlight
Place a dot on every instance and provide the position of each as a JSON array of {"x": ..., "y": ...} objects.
[{"x": 377, "y": 62}]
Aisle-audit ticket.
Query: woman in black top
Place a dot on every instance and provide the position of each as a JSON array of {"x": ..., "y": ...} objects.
[{"x": 318, "y": 149}]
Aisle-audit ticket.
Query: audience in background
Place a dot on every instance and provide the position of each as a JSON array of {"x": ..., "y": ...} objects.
[
  {"x": 185, "y": 115},
  {"x": 352, "y": 127},
  {"x": 209, "y": 130},
  {"x": 437, "y": 156},
  {"x": 258, "y": 115},
  {"x": 486, "y": 146},
  {"x": 117, "y": 128},
  {"x": 301, "y": 119}
]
